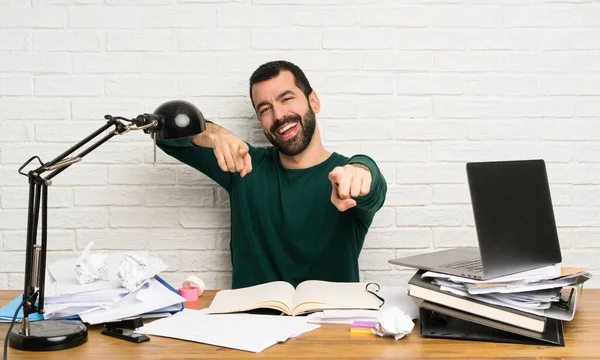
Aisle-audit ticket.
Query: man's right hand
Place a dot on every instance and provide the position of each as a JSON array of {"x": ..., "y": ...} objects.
[{"x": 231, "y": 152}]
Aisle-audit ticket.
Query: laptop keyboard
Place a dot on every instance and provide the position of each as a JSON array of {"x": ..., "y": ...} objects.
[{"x": 471, "y": 265}]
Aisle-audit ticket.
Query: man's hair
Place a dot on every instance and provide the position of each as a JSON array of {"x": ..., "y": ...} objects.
[{"x": 271, "y": 69}]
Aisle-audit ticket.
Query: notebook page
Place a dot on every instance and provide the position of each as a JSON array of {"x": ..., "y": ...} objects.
[
  {"x": 275, "y": 295},
  {"x": 316, "y": 295}
]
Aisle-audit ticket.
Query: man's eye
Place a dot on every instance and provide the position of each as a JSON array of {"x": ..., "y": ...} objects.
[
  {"x": 286, "y": 99},
  {"x": 264, "y": 110}
]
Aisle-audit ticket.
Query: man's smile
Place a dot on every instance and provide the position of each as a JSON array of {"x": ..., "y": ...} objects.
[{"x": 287, "y": 131}]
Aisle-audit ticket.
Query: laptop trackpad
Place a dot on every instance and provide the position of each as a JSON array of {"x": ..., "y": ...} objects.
[
  {"x": 472, "y": 265},
  {"x": 458, "y": 261}
]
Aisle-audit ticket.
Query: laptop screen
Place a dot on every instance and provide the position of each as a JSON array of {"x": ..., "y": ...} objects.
[{"x": 513, "y": 215}]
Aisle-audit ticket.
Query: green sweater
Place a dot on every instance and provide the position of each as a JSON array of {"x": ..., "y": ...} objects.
[{"x": 283, "y": 224}]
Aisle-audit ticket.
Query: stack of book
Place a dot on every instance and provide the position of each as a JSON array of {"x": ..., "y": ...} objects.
[{"x": 521, "y": 308}]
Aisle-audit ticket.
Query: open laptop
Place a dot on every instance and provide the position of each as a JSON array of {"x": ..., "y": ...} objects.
[{"x": 514, "y": 221}]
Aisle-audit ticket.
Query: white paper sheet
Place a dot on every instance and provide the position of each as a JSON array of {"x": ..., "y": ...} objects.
[
  {"x": 247, "y": 332},
  {"x": 105, "y": 295},
  {"x": 531, "y": 286},
  {"x": 394, "y": 297},
  {"x": 548, "y": 310},
  {"x": 146, "y": 299},
  {"x": 398, "y": 297}
]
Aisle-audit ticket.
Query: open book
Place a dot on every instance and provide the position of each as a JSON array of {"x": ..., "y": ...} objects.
[{"x": 309, "y": 296}]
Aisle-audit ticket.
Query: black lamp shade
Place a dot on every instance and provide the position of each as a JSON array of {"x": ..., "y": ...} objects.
[{"x": 179, "y": 119}]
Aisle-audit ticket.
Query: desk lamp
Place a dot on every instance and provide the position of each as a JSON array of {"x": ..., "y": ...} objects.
[{"x": 171, "y": 120}]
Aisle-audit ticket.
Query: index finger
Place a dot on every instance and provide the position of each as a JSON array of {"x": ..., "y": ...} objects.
[
  {"x": 344, "y": 187},
  {"x": 243, "y": 149},
  {"x": 335, "y": 176},
  {"x": 247, "y": 165}
]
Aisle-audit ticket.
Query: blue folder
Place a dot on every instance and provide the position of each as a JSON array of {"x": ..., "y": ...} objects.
[{"x": 8, "y": 311}]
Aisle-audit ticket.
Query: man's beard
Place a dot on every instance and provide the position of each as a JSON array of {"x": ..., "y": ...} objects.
[{"x": 298, "y": 143}]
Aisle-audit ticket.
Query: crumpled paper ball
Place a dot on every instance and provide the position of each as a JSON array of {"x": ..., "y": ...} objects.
[
  {"x": 393, "y": 322},
  {"x": 133, "y": 271},
  {"x": 91, "y": 267}
]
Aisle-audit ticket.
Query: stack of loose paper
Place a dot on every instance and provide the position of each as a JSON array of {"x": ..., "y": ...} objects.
[
  {"x": 107, "y": 300},
  {"x": 539, "y": 292},
  {"x": 104, "y": 300},
  {"x": 240, "y": 331},
  {"x": 394, "y": 296}
]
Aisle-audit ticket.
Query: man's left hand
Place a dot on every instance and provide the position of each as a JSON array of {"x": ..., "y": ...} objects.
[{"x": 347, "y": 183}]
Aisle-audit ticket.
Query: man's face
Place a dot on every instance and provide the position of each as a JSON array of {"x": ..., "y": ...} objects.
[{"x": 287, "y": 118}]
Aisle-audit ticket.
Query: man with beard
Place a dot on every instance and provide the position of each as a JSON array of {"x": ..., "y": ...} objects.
[{"x": 298, "y": 211}]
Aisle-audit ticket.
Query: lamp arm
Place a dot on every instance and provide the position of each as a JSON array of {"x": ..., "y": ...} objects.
[
  {"x": 35, "y": 255},
  {"x": 64, "y": 164},
  {"x": 187, "y": 119},
  {"x": 171, "y": 120}
]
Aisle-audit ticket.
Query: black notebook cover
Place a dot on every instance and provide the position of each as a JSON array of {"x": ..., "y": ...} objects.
[{"x": 438, "y": 321}]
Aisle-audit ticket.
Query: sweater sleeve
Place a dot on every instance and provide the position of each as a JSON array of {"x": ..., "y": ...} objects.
[
  {"x": 367, "y": 205},
  {"x": 200, "y": 158}
]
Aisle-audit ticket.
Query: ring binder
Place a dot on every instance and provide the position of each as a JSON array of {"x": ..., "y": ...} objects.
[{"x": 438, "y": 321}]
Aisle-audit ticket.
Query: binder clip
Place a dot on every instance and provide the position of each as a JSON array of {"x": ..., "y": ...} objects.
[
  {"x": 564, "y": 303},
  {"x": 192, "y": 288}
]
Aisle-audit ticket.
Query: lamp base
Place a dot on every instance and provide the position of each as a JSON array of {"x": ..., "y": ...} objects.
[{"x": 49, "y": 335}]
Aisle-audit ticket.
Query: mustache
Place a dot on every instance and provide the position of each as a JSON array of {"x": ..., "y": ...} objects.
[{"x": 288, "y": 119}]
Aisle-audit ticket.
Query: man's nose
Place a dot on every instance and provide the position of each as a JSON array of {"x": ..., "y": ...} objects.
[{"x": 279, "y": 112}]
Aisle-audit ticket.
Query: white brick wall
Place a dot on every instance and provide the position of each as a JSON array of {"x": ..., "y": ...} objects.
[{"x": 421, "y": 86}]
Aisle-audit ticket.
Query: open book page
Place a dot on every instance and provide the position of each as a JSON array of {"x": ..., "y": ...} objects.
[
  {"x": 277, "y": 295},
  {"x": 320, "y": 295}
]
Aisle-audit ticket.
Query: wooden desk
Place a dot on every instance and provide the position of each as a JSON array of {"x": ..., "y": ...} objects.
[{"x": 335, "y": 341}]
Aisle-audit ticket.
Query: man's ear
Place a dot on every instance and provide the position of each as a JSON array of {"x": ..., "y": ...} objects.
[{"x": 314, "y": 101}]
